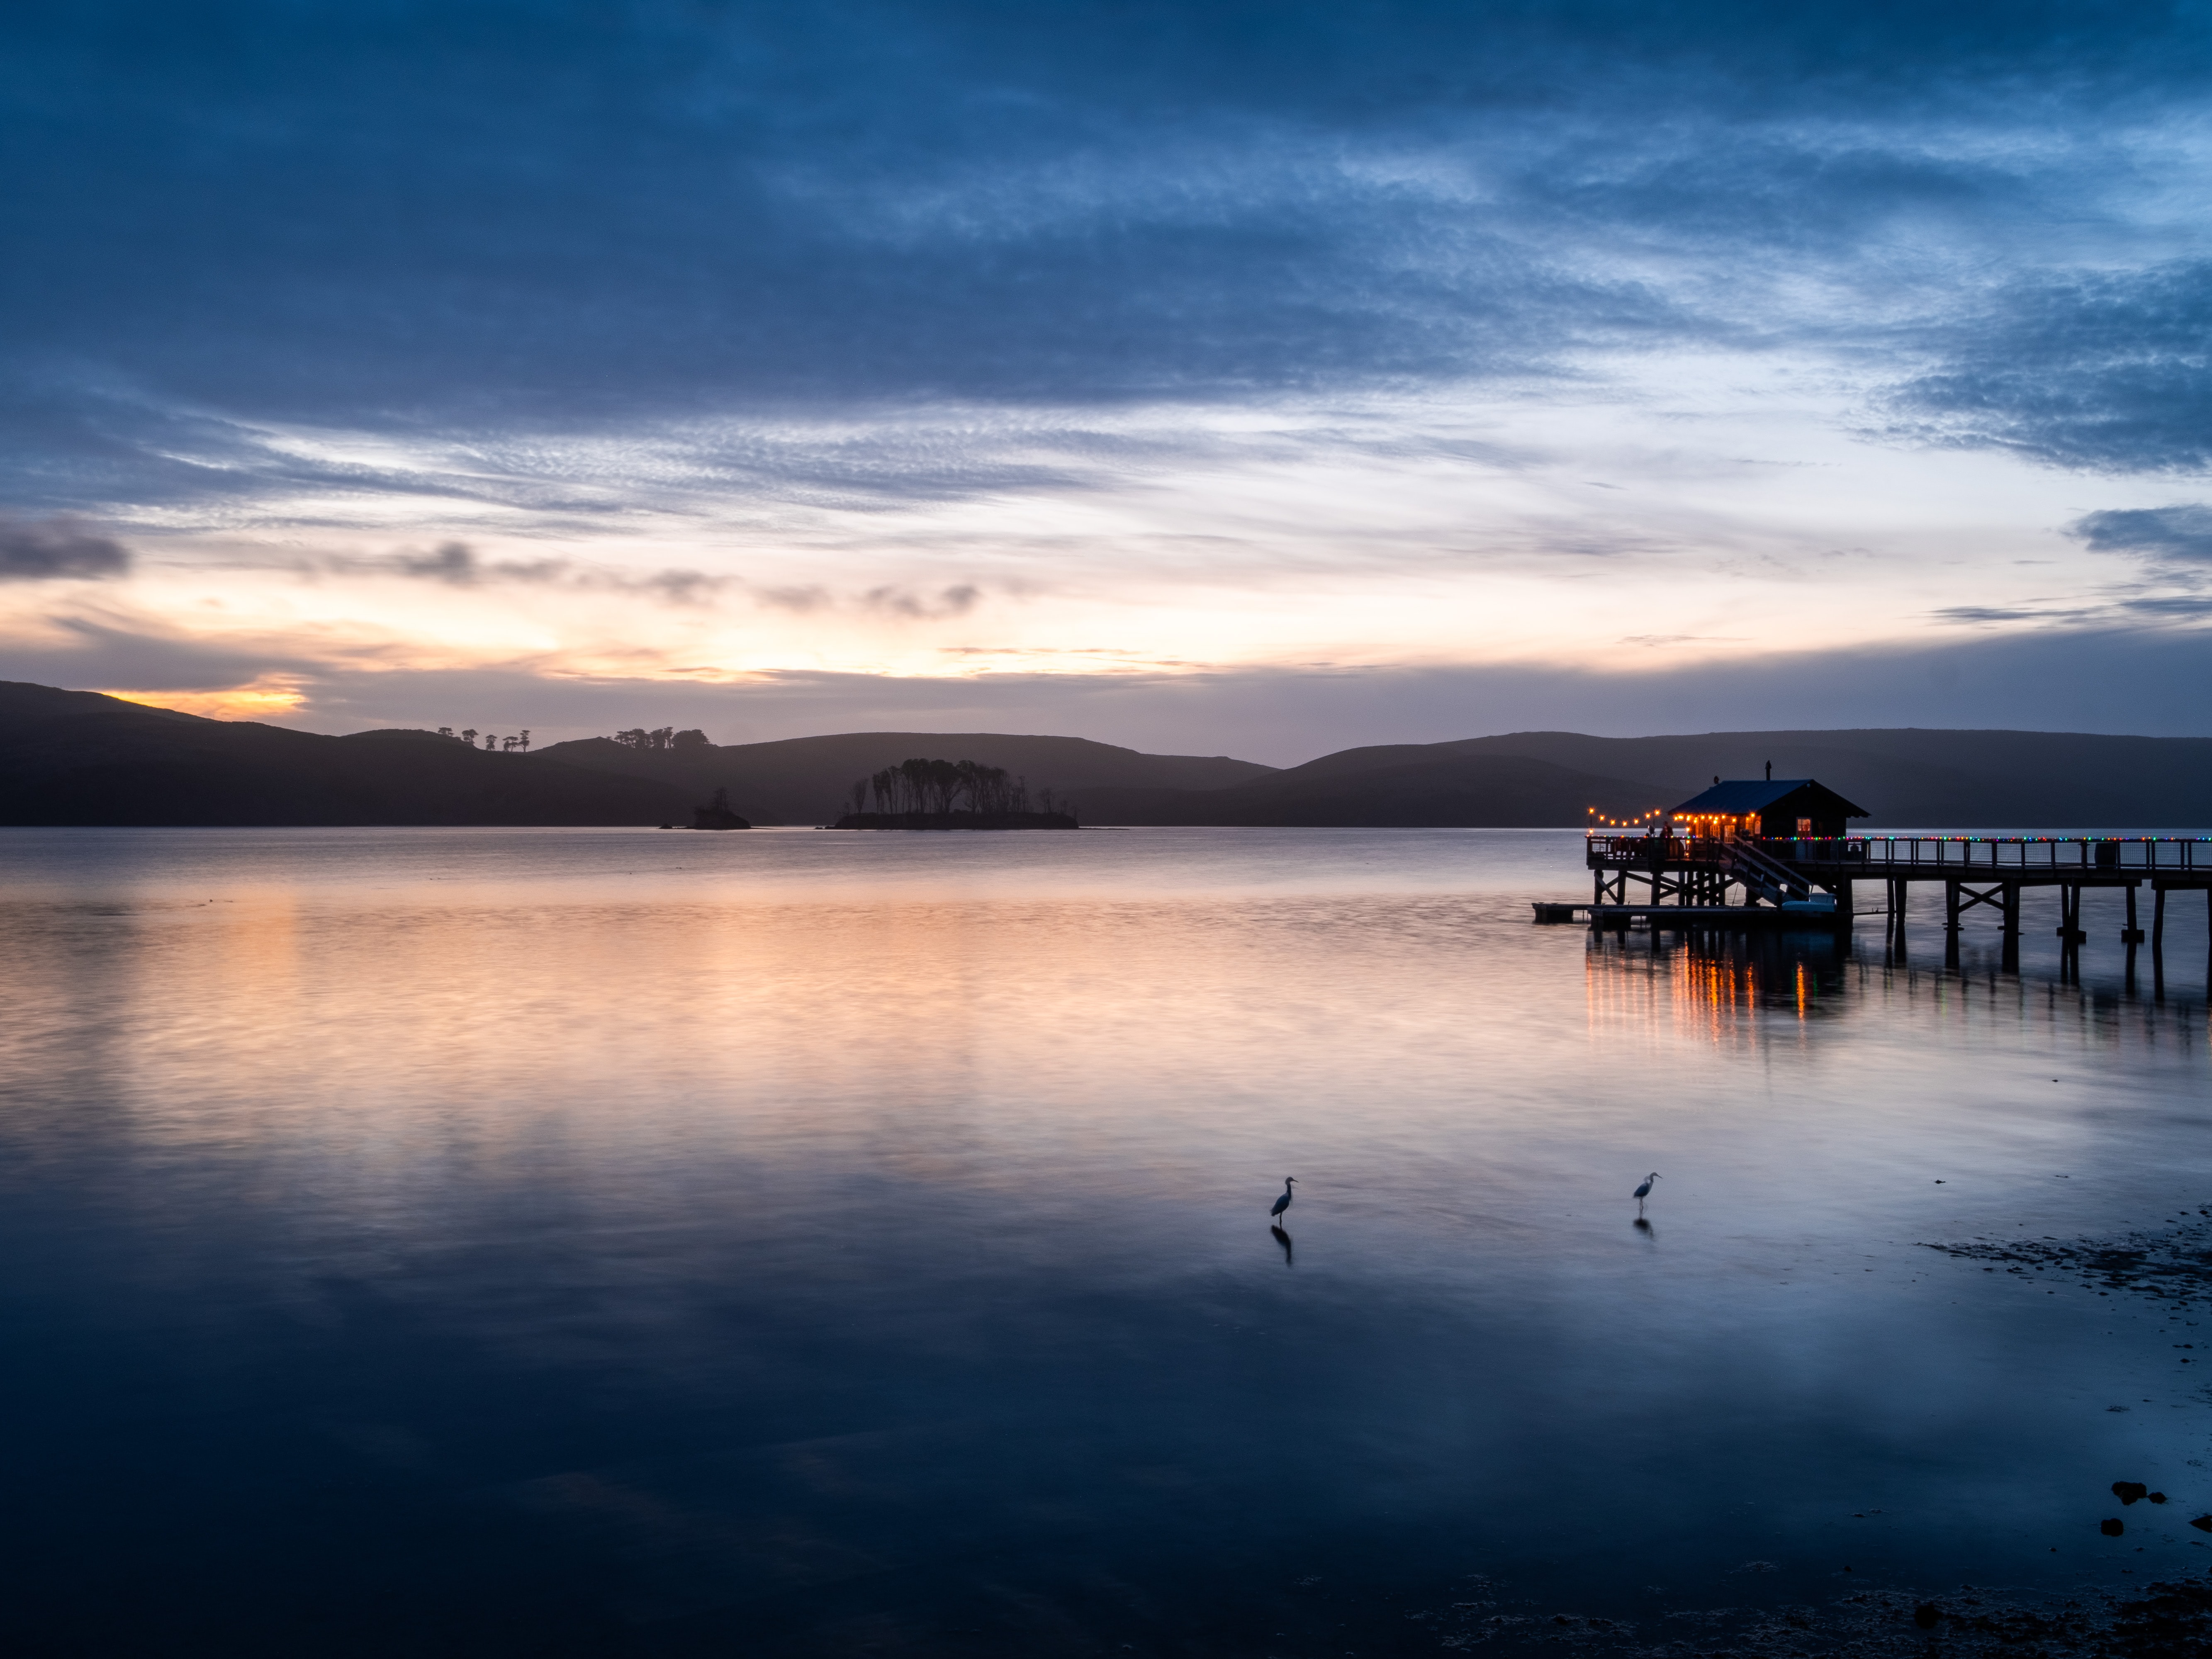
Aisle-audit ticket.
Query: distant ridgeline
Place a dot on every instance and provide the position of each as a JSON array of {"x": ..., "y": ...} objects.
[{"x": 941, "y": 794}]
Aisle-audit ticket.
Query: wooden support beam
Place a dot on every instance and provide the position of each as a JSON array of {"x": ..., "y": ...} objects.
[
  {"x": 2070, "y": 937},
  {"x": 2157, "y": 941},
  {"x": 2131, "y": 936},
  {"x": 2070, "y": 915}
]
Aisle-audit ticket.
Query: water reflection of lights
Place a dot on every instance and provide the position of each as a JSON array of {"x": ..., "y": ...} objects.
[{"x": 1708, "y": 985}]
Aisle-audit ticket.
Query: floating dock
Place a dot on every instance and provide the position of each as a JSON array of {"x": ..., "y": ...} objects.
[{"x": 1689, "y": 915}]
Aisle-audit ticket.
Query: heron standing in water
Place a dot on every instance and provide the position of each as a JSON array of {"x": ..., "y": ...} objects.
[
  {"x": 1284, "y": 1202},
  {"x": 1644, "y": 1191}
]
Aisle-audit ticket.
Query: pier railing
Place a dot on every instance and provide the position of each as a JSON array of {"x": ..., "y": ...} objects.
[
  {"x": 1646, "y": 851},
  {"x": 2092, "y": 855}
]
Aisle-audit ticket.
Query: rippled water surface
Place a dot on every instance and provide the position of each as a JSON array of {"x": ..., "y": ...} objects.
[{"x": 601, "y": 1242}]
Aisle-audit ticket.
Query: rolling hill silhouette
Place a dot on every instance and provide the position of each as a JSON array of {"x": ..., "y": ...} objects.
[
  {"x": 1908, "y": 778},
  {"x": 79, "y": 757}
]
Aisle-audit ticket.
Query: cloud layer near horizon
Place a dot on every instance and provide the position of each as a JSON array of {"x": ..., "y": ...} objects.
[{"x": 689, "y": 346}]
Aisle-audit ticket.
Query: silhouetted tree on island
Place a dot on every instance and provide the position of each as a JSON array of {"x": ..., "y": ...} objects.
[
  {"x": 941, "y": 794},
  {"x": 717, "y": 814}
]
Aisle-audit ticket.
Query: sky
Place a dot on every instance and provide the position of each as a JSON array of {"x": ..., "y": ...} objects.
[{"x": 1257, "y": 378}]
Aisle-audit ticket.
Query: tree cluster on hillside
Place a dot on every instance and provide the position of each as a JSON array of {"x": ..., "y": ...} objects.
[
  {"x": 665, "y": 737},
  {"x": 500, "y": 745},
  {"x": 940, "y": 786}
]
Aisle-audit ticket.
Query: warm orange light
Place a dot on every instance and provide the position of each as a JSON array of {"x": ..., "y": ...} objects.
[{"x": 247, "y": 702}]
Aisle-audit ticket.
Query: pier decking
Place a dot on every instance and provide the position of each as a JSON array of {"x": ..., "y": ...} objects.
[{"x": 1694, "y": 880}]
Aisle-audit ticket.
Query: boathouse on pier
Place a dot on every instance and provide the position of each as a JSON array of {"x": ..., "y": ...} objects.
[
  {"x": 1770, "y": 809},
  {"x": 1786, "y": 845}
]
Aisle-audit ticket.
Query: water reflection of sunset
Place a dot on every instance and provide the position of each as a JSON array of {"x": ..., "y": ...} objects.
[{"x": 795, "y": 1185}]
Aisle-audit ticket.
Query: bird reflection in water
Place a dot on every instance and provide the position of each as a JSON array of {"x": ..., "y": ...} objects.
[
  {"x": 1646, "y": 1229},
  {"x": 1283, "y": 1239}
]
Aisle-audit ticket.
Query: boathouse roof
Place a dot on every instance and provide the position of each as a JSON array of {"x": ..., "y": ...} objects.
[{"x": 1737, "y": 796}]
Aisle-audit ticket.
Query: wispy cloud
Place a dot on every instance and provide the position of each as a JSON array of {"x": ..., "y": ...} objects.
[
  {"x": 821, "y": 215},
  {"x": 716, "y": 341},
  {"x": 456, "y": 565},
  {"x": 955, "y": 601}
]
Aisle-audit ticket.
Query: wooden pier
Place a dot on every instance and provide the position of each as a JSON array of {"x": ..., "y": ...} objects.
[{"x": 1735, "y": 879}]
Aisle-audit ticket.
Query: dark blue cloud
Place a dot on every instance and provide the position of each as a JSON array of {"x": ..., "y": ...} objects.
[
  {"x": 479, "y": 215},
  {"x": 55, "y": 551},
  {"x": 2109, "y": 372},
  {"x": 2180, "y": 535}
]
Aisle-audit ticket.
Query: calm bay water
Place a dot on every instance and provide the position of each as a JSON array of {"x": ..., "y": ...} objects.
[{"x": 601, "y": 1242}]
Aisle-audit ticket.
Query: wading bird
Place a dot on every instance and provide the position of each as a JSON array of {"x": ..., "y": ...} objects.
[
  {"x": 1644, "y": 1191},
  {"x": 1284, "y": 1202}
]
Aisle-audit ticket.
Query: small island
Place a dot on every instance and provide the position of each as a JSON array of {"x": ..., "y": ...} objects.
[
  {"x": 942, "y": 795},
  {"x": 716, "y": 814}
]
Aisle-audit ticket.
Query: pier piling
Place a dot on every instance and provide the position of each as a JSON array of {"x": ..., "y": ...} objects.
[
  {"x": 2131, "y": 936},
  {"x": 2158, "y": 942},
  {"x": 2070, "y": 936}
]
